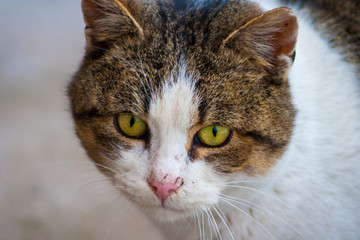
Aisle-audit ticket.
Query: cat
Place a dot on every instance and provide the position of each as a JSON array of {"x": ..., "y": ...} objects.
[{"x": 226, "y": 119}]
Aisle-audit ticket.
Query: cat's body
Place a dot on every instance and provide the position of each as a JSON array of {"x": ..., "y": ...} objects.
[{"x": 288, "y": 168}]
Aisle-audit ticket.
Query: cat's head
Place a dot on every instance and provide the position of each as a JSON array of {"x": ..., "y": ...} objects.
[{"x": 175, "y": 100}]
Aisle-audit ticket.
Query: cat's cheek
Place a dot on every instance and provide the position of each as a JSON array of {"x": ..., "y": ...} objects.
[
  {"x": 131, "y": 170},
  {"x": 134, "y": 160},
  {"x": 204, "y": 185}
]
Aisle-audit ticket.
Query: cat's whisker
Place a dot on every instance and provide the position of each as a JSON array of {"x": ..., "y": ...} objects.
[
  {"x": 203, "y": 224},
  {"x": 108, "y": 232},
  {"x": 262, "y": 192},
  {"x": 196, "y": 217},
  {"x": 87, "y": 189},
  {"x": 199, "y": 225},
  {"x": 192, "y": 222},
  {"x": 84, "y": 182},
  {"x": 260, "y": 209},
  {"x": 210, "y": 226},
  {"x": 242, "y": 181},
  {"x": 210, "y": 223},
  {"x": 213, "y": 225},
  {"x": 226, "y": 223},
  {"x": 218, "y": 234},
  {"x": 106, "y": 167},
  {"x": 94, "y": 189},
  {"x": 245, "y": 213}
]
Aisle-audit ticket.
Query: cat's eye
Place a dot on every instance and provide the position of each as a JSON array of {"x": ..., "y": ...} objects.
[
  {"x": 130, "y": 125},
  {"x": 213, "y": 136}
]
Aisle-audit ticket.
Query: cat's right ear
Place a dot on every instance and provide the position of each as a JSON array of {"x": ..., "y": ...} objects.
[
  {"x": 270, "y": 38},
  {"x": 107, "y": 20}
]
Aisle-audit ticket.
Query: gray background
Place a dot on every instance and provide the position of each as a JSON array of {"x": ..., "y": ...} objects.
[{"x": 48, "y": 188}]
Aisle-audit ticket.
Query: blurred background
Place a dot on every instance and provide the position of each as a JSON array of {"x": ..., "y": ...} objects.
[{"x": 48, "y": 188}]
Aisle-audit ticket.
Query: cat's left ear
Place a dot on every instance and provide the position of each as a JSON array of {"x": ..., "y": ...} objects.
[{"x": 270, "y": 37}]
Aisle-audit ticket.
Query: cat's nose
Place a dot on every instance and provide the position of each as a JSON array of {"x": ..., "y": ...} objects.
[{"x": 164, "y": 189}]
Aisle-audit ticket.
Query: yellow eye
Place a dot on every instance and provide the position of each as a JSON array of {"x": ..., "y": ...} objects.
[
  {"x": 130, "y": 125},
  {"x": 213, "y": 136}
]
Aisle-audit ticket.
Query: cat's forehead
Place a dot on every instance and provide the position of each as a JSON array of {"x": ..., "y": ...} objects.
[{"x": 175, "y": 104}]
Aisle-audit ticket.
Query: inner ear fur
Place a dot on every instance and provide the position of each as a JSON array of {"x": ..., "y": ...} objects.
[
  {"x": 271, "y": 37},
  {"x": 111, "y": 19}
]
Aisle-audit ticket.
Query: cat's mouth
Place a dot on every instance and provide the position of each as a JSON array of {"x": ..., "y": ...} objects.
[
  {"x": 170, "y": 205},
  {"x": 165, "y": 213}
]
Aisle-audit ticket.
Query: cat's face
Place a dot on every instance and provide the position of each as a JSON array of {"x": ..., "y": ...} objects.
[{"x": 173, "y": 107}]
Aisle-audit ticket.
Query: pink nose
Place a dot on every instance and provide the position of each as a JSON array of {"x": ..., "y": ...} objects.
[{"x": 163, "y": 190}]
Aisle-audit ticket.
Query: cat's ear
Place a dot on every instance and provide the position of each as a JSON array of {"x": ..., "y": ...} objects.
[
  {"x": 270, "y": 37},
  {"x": 111, "y": 19}
]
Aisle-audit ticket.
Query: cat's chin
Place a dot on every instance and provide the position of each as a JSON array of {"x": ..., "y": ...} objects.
[{"x": 167, "y": 214}]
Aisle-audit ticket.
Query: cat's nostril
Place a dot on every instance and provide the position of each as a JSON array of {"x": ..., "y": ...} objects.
[
  {"x": 153, "y": 188},
  {"x": 163, "y": 189}
]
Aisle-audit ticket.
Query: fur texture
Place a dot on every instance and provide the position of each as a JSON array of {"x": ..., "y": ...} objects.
[{"x": 288, "y": 169}]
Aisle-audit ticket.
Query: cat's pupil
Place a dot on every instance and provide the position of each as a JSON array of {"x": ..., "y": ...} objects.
[
  {"x": 214, "y": 131},
  {"x": 132, "y": 122}
]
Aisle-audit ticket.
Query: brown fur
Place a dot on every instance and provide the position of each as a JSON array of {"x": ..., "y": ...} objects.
[{"x": 241, "y": 80}]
